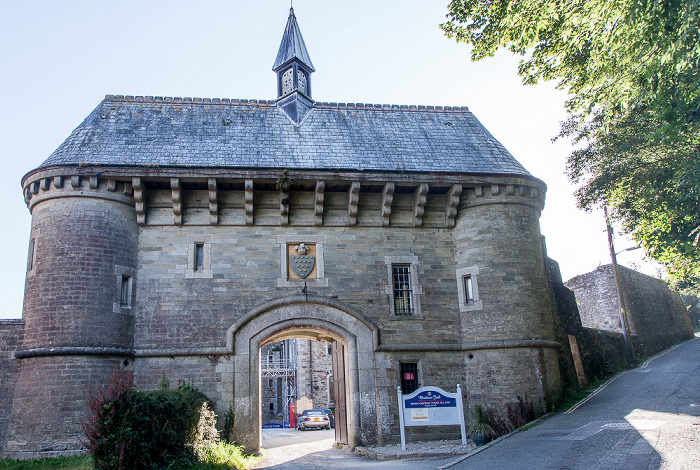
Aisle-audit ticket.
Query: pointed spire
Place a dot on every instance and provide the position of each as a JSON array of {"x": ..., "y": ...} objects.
[
  {"x": 294, "y": 68},
  {"x": 292, "y": 45}
]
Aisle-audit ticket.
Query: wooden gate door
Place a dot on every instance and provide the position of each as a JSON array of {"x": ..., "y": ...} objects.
[{"x": 341, "y": 416}]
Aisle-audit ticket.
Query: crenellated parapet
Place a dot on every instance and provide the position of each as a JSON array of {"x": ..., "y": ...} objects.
[
  {"x": 183, "y": 197},
  {"x": 50, "y": 185}
]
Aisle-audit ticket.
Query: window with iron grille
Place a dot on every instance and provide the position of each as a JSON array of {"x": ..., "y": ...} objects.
[
  {"x": 402, "y": 290},
  {"x": 409, "y": 377}
]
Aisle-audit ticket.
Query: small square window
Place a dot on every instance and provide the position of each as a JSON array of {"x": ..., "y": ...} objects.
[
  {"x": 409, "y": 377},
  {"x": 272, "y": 407}
]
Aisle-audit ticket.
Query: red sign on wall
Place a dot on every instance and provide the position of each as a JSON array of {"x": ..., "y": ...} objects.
[{"x": 408, "y": 376}]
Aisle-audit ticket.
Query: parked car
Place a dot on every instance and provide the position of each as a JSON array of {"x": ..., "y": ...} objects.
[
  {"x": 315, "y": 418},
  {"x": 331, "y": 416}
]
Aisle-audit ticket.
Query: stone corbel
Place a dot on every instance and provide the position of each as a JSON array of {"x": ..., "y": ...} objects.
[
  {"x": 387, "y": 200},
  {"x": 318, "y": 202},
  {"x": 139, "y": 203},
  {"x": 249, "y": 202},
  {"x": 58, "y": 181},
  {"x": 213, "y": 202},
  {"x": 177, "y": 200},
  {"x": 284, "y": 207},
  {"x": 353, "y": 200},
  {"x": 451, "y": 203},
  {"x": 46, "y": 184},
  {"x": 419, "y": 200},
  {"x": 93, "y": 182}
]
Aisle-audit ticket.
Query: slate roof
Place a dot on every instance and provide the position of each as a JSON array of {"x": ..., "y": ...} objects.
[{"x": 251, "y": 134}]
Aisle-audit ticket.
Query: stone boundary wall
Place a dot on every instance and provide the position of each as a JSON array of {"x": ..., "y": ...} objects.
[
  {"x": 602, "y": 352},
  {"x": 656, "y": 314},
  {"x": 11, "y": 336}
]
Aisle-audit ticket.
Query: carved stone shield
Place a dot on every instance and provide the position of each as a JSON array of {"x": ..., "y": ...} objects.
[{"x": 302, "y": 265}]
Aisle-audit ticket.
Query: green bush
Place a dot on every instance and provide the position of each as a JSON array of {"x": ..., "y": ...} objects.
[{"x": 131, "y": 429}]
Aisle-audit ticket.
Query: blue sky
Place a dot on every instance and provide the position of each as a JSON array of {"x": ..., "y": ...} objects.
[{"x": 59, "y": 59}]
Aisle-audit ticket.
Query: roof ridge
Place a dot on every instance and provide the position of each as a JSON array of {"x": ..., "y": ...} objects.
[{"x": 318, "y": 104}]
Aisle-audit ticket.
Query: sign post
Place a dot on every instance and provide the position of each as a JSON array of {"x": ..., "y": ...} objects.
[{"x": 431, "y": 406}]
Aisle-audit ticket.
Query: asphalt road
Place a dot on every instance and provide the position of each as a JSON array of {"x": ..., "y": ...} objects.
[{"x": 646, "y": 418}]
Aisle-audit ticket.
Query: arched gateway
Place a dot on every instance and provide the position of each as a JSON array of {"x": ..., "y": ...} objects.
[{"x": 318, "y": 319}]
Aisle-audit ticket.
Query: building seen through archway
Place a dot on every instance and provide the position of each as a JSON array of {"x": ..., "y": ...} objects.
[{"x": 292, "y": 369}]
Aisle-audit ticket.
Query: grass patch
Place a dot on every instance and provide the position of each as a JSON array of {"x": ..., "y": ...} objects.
[
  {"x": 224, "y": 456},
  {"x": 218, "y": 456},
  {"x": 77, "y": 462}
]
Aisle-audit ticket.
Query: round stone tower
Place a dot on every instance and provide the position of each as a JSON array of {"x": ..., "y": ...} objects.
[
  {"x": 77, "y": 304},
  {"x": 509, "y": 338}
]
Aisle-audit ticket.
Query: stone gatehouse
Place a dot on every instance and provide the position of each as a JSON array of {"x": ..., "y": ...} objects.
[{"x": 178, "y": 236}]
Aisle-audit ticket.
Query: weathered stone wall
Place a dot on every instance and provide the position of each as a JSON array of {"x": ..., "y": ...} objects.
[
  {"x": 568, "y": 323},
  {"x": 656, "y": 314},
  {"x": 11, "y": 334},
  {"x": 50, "y": 402},
  {"x": 602, "y": 352},
  {"x": 175, "y": 312},
  {"x": 207, "y": 373}
]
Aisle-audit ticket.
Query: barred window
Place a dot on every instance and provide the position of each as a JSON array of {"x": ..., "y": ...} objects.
[
  {"x": 402, "y": 290},
  {"x": 409, "y": 377}
]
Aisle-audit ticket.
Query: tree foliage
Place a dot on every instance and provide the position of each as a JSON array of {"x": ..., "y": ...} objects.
[{"x": 631, "y": 68}]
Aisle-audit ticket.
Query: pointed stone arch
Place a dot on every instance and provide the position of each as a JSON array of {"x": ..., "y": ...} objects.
[{"x": 318, "y": 319}]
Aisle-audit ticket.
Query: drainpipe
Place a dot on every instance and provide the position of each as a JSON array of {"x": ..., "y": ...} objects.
[{"x": 311, "y": 372}]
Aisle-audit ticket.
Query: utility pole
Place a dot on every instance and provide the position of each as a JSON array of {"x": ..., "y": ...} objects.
[{"x": 620, "y": 297}]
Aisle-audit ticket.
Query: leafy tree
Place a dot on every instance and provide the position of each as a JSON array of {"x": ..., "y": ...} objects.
[{"x": 631, "y": 68}]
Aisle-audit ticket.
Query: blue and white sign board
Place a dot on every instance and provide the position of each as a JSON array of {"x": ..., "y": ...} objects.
[{"x": 431, "y": 406}]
